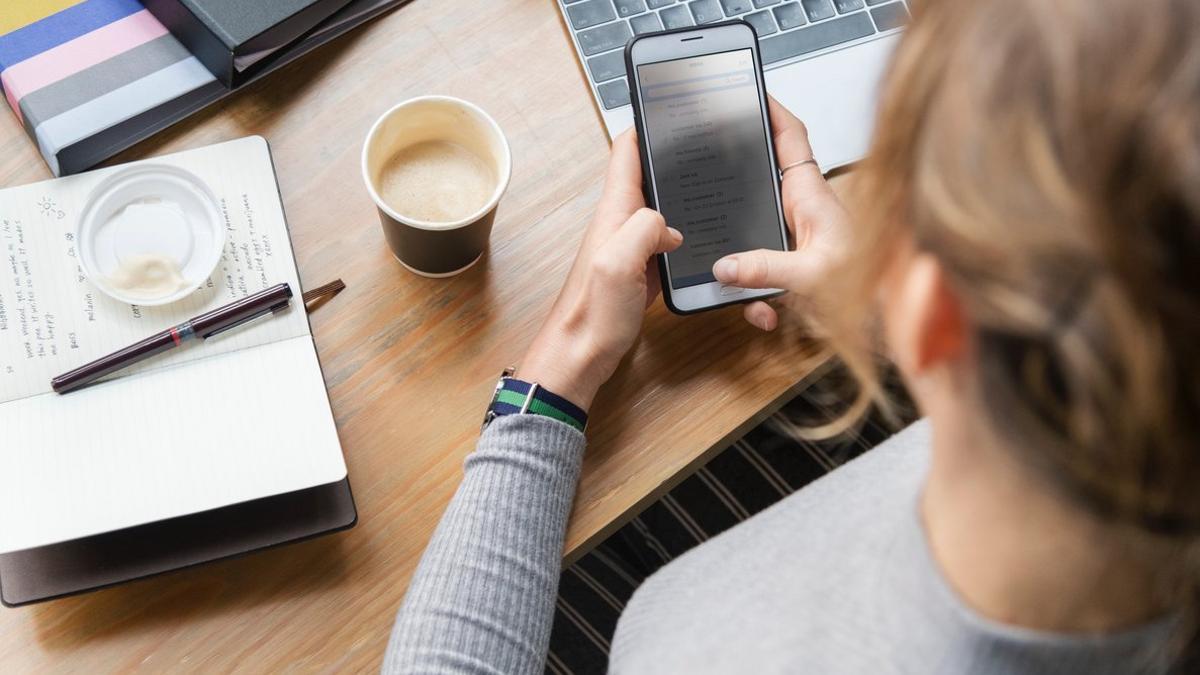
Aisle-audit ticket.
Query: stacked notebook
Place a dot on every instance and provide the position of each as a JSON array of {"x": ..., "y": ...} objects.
[
  {"x": 211, "y": 450},
  {"x": 234, "y": 38},
  {"x": 89, "y": 78}
]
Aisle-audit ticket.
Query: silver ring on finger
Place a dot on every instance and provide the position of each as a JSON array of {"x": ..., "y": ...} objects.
[{"x": 789, "y": 167}]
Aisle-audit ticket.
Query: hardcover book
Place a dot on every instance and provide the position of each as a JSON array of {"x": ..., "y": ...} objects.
[
  {"x": 90, "y": 78},
  {"x": 233, "y": 38}
]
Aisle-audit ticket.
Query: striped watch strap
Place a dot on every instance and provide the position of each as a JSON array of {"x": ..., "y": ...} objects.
[{"x": 513, "y": 398}]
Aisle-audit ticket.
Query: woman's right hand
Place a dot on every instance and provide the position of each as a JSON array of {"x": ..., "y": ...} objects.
[{"x": 819, "y": 224}]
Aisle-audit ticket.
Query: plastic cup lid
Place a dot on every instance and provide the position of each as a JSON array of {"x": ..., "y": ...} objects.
[{"x": 157, "y": 219}]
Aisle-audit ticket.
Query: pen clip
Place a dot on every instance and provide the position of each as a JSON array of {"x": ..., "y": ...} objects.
[{"x": 281, "y": 305}]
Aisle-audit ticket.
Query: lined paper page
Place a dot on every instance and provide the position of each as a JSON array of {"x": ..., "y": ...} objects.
[
  {"x": 53, "y": 320},
  {"x": 201, "y": 435}
]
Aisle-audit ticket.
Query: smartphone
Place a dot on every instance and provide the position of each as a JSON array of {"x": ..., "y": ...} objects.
[{"x": 708, "y": 164}]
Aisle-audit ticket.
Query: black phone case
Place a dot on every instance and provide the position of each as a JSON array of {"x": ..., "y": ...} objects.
[{"x": 644, "y": 154}]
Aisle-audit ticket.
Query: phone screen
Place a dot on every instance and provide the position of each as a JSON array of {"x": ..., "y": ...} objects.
[{"x": 711, "y": 163}]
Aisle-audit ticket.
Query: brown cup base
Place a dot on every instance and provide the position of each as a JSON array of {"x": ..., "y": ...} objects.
[{"x": 437, "y": 275}]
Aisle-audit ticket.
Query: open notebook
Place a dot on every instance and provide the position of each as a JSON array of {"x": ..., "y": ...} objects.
[{"x": 237, "y": 418}]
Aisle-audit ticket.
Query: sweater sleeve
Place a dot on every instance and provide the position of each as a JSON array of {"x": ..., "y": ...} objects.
[{"x": 482, "y": 598}]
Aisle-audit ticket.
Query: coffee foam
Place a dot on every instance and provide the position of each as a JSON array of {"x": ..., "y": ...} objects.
[
  {"x": 436, "y": 181},
  {"x": 410, "y": 144}
]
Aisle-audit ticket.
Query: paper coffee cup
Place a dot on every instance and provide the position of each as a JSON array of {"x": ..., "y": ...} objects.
[{"x": 428, "y": 247}]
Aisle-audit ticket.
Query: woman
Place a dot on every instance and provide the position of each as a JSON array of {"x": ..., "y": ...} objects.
[{"x": 1027, "y": 242}]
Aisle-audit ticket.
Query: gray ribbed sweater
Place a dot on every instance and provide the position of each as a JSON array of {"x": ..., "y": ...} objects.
[{"x": 836, "y": 578}]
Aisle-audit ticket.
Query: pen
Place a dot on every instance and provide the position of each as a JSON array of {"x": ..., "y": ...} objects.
[{"x": 204, "y": 326}]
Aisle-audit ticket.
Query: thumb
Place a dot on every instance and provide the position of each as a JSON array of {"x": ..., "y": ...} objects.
[
  {"x": 644, "y": 234},
  {"x": 763, "y": 269}
]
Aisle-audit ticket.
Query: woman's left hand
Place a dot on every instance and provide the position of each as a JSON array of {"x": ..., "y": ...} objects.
[
  {"x": 599, "y": 311},
  {"x": 819, "y": 224}
]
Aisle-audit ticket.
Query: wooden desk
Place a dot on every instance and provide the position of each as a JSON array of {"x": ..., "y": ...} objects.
[{"x": 410, "y": 362}]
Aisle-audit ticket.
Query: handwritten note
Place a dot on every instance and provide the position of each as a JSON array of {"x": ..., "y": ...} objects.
[{"x": 52, "y": 319}]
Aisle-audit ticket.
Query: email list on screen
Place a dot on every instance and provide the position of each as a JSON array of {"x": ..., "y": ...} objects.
[{"x": 710, "y": 161}]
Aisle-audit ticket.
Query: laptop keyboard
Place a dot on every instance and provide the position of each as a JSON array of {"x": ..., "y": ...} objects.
[{"x": 786, "y": 29}]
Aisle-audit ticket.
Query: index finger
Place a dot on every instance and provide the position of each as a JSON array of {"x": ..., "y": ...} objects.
[
  {"x": 623, "y": 182},
  {"x": 789, "y": 134}
]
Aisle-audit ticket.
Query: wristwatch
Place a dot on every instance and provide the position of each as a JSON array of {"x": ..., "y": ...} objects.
[{"x": 517, "y": 397}]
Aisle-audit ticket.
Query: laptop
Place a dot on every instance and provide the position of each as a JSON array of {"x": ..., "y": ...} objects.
[{"x": 823, "y": 59}]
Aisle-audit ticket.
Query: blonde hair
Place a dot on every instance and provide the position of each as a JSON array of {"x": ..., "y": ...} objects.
[{"x": 1048, "y": 155}]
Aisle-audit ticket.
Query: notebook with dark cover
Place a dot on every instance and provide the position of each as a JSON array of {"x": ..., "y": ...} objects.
[
  {"x": 234, "y": 38},
  {"x": 92, "y": 563},
  {"x": 238, "y": 428}
]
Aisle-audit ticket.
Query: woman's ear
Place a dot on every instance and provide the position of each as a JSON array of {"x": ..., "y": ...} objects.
[{"x": 925, "y": 323}]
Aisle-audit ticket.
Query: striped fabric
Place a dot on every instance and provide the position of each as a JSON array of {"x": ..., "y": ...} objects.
[
  {"x": 71, "y": 69},
  {"x": 510, "y": 400},
  {"x": 755, "y": 472}
]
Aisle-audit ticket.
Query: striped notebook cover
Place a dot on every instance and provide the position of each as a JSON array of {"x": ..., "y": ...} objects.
[
  {"x": 89, "y": 78},
  {"x": 72, "y": 69}
]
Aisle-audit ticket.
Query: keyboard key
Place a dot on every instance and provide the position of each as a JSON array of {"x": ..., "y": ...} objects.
[
  {"x": 629, "y": 7},
  {"x": 789, "y": 16},
  {"x": 603, "y": 38},
  {"x": 591, "y": 13},
  {"x": 890, "y": 16},
  {"x": 676, "y": 17},
  {"x": 816, "y": 37},
  {"x": 766, "y": 3},
  {"x": 735, "y": 7},
  {"x": 877, "y": 2},
  {"x": 847, "y": 6},
  {"x": 706, "y": 11},
  {"x": 762, "y": 22},
  {"x": 818, "y": 9},
  {"x": 607, "y": 66},
  {"x": 646, "y": 23},
  {"x": 655, "y": 4},
  {"x": 614, "y": 94}
]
